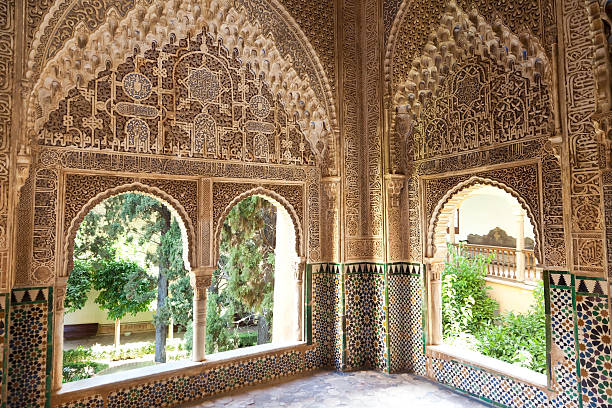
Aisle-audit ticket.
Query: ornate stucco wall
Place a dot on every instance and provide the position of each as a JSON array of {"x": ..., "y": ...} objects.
[{"x": 363, "y": 118}]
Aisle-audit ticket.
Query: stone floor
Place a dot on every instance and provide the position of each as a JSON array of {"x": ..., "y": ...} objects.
[{"x": 362, "y": 389}]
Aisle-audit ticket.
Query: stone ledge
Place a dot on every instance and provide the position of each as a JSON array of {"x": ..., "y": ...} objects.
[
  {"x": 489, "y": 364},
  {"x": 527, "y": 285},
  {"x": 131, "y": 378}
]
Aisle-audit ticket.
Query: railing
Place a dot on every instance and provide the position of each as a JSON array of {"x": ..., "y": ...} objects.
[{"x": 503, "y": 262}]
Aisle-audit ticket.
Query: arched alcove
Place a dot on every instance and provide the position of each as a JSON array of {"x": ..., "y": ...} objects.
[
  {"x": 176, "y": 210},
  {"x": 440, "y": 236},
  {"x": 187, "y": 229},
  {"x": 271, "y": 219}
]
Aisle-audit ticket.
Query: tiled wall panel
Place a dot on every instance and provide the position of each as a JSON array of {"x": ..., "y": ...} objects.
[
  {"x": 4, "y": 310},
  {"x": 30, "y": 348},
  {"x": 405, "y": 293},
  {"x": 366, "y": 321},
  {"x": 327, "y": 329}
]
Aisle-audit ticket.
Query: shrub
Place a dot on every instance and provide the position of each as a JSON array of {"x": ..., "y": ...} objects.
[
  {"x": 79, "y": 354},
  {"x": 519, "y": 338},
  {"x": 247, "y": 339},
  {"x": 81, "y": 370},
  {"x": 466, "y": 306}
]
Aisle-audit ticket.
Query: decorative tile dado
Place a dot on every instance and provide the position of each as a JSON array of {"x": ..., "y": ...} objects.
[
  {"x": 405, "y": 318},
  {"x": 594, "y": 345},
  {"x": 564, "y": 340},
  {"x": 30, "y": 348},
  {"x": 366, "y": 326},
  {"x": 95, "y": 401},
  {"x": 4, "y": 324},
  {"x": 595, "y": 286},
  {"x": 222, "y": 378},
  {"x": 327, "y": 312},
  {"x": 562, "y": 279}
]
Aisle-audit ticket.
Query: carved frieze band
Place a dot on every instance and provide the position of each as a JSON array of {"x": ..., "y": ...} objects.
[
  {"x": 7, "y": 64},
  {"x": 585, "y": 151}
]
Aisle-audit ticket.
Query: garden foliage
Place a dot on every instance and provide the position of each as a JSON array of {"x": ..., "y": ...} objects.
[{"x": 470, "y": 318}]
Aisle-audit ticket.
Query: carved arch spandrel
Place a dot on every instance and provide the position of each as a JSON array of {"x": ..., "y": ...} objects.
[
  {"x": 417, "y": 88},
  {"x": 83, "y": 56},
  {"x": 439, "y": 219},
  {"x": 459, "y": 36},
  {"x": 178, "y": 210},
  {"x": 410, "y": 33},
  {"x": 266, "y": 193}
]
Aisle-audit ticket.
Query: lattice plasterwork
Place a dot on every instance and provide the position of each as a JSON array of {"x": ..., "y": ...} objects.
[
  {"x": 88, "y": 53},
  {"x": 187, "y": 99},
  {"x": 588, "y": 244}
]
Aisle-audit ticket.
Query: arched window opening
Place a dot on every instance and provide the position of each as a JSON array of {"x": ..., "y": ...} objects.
[
  {"x": 491, "y": 287},
  {"x": 129, "y": 302},
  {"x": 254, "y": 297}
]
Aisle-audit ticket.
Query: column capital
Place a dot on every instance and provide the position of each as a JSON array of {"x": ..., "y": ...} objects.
[
  {"x": 301, "y": 268},
  {"x": 435, "y": 268},
  {"x": 200, "y": 279}
]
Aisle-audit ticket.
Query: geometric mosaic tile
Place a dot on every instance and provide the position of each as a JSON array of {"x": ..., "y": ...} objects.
[
  {"x": 4, "y": 306},
  {"x": 560, "y": 278},
  {"x": 593, "y": 329},
  {"x": 365, "y": 310},
  {"x": 563, "y": 339},
  {"x": 30, "y": 348},
  {"x": 490, "y": 387},
  {"x": 405, "y": 318},
  {"x": 180, "y": 389},
  {"x": 95, "y": 401},
  {"x": 327, "y": 313},
  {"x": 591, "y": 286}
]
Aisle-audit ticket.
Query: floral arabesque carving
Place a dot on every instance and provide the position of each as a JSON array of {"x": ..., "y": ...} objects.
[
  {"x": 475, "y": 86},
  {"x": 189, "y": 99},
  {"x": 270, "y": 195},
  {"x": 600, "y": 18},
  {"x": 175, "y": 207},
  {"x": 480, "y": 105},
  {"x": 438, "y": 223},
  {"x": 87, "y": 54},
  {"x": 459, "y": 37}
]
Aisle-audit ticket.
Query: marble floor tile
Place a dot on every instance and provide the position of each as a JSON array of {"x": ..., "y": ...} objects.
[{"x": 360, "y": 389}]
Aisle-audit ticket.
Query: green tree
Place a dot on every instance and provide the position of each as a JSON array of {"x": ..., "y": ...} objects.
[
  {"x": 123, "y": 287},
  {"x": 242, "y": 289},
  {"x": 78, "y": 287},
  {"x": 135, "y": 224},
  {"x": 149, "y": 221}
]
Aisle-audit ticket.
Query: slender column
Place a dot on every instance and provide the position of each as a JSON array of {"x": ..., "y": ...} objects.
[
  {"x": 59, "y": 295},
  {"x": 200, "y": 281},
  {"x": 395, "y": 227},
  {"x": 299, "y": 299},
  {"x": 435, "y": 268},
  {"x": 451, "y": 228},
  {"x": 520, "y": 246},
  {"x": 331, "y": 189}
]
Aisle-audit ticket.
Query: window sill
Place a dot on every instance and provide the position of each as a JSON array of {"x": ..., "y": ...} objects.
[
  {"x": 490, "y": 364},
  {"x": 133, "y": 377}
]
